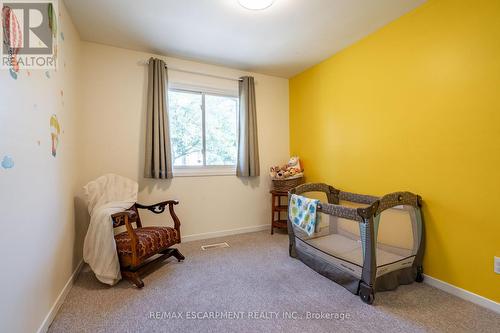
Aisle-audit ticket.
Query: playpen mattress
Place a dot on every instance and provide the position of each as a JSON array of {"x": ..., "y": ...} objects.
[{"x": 350, "y": 250}]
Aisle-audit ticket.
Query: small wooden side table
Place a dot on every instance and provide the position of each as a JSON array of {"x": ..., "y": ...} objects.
[{"x": 277, "y": 208}]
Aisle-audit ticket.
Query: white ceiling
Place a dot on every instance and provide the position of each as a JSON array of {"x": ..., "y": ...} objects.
[{"x": 282, "y": 40}]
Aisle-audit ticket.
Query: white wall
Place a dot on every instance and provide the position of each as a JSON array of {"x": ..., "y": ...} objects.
[
  {"x": 40, "y": 249},
  {"x": 113, "y": 126}
]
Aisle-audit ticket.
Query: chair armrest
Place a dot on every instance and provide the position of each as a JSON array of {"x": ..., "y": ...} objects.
[
  {"x": 126, "y": 218},
  {"x": 160, "y": 208},
  {"x": 121, "y": 217}
]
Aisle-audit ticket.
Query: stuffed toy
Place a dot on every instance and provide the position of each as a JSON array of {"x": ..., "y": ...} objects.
[
  {"x": 272, "y": 172},
  {"x": 294, "y": 163},
  {"x": 291, "y": 169}
]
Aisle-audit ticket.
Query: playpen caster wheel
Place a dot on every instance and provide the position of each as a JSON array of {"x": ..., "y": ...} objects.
[
  {"x": 420, "y": 276},
  {"x": 367, "y": 298},
  {"x": 366, "y": 294}
]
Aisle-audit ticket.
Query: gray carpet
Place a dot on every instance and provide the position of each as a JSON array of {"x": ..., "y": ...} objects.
[{"x": 257, "y": 275}]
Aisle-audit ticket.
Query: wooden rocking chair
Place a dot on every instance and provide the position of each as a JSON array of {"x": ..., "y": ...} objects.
[{"x": 136, "y": 245}]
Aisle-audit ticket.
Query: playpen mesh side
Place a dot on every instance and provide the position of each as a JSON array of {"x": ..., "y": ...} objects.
[
  {"x": 397, "y": 230},
  {"x": 397, "y": 234},
  {"x": 335, "y": 236}
]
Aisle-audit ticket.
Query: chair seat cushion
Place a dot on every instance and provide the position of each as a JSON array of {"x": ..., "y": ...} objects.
[{"x": 151, "y": 240}]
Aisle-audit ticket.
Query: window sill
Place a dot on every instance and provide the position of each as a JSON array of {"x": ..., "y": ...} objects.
[{"x": 204, "y": 171}]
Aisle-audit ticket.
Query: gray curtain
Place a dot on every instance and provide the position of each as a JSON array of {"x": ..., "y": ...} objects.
[
  {"x": 248, "y": 148},
  {"x": 158, "y": 153}
]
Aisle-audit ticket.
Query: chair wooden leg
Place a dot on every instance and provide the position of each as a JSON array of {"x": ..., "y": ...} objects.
[
  {"x": 272, "y": 213},
  {"x": 177, "y": 255},
  {"x": 134, "y": 278}
]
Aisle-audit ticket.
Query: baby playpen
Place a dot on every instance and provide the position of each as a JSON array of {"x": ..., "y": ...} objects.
[{"x": 362, "y": 242}]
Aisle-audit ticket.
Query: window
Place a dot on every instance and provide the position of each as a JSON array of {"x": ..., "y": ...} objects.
[{"x": 203, "y": 132}]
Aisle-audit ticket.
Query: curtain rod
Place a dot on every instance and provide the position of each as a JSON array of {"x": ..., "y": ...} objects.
[{"x": 197, "y": 73}]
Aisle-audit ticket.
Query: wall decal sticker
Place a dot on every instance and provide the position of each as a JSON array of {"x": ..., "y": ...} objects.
[
  {"x": 12, "y": 38},
  {"x": 55, "y": 131},
  {"x": 13, "y": 74},
  {"x": 47, "y": 74},
  {"x": 7, "y": 162},
  {"x": 52, "y": 19},
  {"x": 53, "y": 26},
  {"x": 62, "y": 36}
]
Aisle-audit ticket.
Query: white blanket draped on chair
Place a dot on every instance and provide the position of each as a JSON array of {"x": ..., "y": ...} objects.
[{"x": 106, "y": 196}]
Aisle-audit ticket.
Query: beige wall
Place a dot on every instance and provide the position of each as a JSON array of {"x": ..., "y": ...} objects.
[
  {"x": 39, "y": 251},
  {"x": 112, "y": 123},
  {"x": 101, "y": 111}
]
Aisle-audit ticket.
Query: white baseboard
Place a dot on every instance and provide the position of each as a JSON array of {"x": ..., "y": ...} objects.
[
  {"x": 60, "y": 299},
  {"x": 463, "y": 294},
  {"x": 222, "y": 233}
]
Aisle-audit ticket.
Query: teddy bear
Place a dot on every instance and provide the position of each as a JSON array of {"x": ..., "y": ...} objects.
[{"x": 274, "y": 170}]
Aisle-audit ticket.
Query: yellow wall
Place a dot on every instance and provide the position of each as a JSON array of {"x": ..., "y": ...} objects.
[{"x": 416, "y": 106}]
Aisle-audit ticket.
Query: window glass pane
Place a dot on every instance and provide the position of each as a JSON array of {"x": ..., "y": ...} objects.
[
  {"x": 186, "y": 129},
  {"x": 221, "y": 129}
]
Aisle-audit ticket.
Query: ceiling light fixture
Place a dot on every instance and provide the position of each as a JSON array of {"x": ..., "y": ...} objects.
[{"x": 256, "y": 4}]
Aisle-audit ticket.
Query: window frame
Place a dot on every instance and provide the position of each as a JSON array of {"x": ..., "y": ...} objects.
[{"x": 204, "y": 170}]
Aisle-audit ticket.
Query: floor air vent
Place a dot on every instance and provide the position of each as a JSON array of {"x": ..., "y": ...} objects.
[{"x": 214, "y": 246}]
